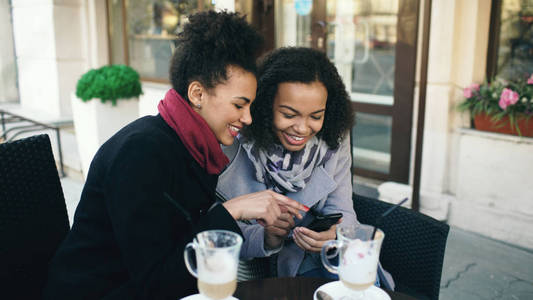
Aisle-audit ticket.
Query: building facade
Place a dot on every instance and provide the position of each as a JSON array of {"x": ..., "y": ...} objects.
[{"x": 475, "y": 180}]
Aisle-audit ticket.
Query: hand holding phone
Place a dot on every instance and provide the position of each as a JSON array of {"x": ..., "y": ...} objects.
[
  {"x": 324, "y": 222},
  {"x": 310, "y": 240}
]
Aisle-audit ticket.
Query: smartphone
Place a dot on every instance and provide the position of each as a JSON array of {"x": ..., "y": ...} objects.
[{"x": 324, "y": 222}]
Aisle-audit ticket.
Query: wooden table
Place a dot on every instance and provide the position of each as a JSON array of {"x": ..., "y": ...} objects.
[{"x": 291, "y": 288}]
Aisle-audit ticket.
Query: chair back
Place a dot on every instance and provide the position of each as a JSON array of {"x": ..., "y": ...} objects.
[
  {"x": 33, "y": 216},
  {"x": 413, "y": 248},
  {"x": 256, "y": 268}
]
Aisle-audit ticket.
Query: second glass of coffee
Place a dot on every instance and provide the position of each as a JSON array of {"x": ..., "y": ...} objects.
[{"x": 358, "y": 257}]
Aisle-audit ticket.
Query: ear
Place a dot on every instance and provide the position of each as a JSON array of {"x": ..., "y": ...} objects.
[{"x": 196, "y": 93}]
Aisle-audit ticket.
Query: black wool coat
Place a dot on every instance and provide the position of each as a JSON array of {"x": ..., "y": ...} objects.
[{"x": 128, "y": 237}]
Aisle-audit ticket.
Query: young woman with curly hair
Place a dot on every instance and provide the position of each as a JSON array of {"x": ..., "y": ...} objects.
[
  {"x": 298, "y": 145},
  {"x": 151, "y": 187}
]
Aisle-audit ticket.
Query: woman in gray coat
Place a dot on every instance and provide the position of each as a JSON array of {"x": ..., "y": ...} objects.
[{"x": 297, "y": 145}]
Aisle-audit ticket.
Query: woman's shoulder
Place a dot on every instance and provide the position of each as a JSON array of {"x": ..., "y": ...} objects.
[
  {"x": 151, "y": 129},
  {"x": 338, "y": 155},
  {"x": 144, "y": 136},
  {"x": 239, "y": 163},
  {"x": 343, "y": 147}
]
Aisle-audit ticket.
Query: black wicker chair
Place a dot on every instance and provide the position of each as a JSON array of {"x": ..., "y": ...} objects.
[
  {"x": 33, "y": 216},
  {"x": 256, "y": 268},
  {"x": 413, "y": 249}
]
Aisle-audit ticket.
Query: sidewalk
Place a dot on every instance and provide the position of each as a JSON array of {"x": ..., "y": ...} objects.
[{"x": 475, "y": 267}]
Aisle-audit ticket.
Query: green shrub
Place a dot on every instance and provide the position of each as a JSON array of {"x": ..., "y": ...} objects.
[{"x": 109, "y": 83}]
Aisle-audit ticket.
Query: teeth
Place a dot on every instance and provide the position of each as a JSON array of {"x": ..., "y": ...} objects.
[
  {"x": 233, "y": 128},
  {"x": 296, "y": 138}
]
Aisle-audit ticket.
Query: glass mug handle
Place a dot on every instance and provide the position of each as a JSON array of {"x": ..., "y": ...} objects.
[
  {"x": 188, "y": 248},
  {"x": 324, "y": 256}
]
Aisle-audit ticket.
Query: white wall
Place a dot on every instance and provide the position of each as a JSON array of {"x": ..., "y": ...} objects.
[
  {"x": 495, "y": 190},
  {"x": 56, "y": 41},
  {"x": 95, "y": 37},
  {"x": 44, "y": 50},
  {"x": 470, "y": 55},
  {"x": 8, "y": 69},
  {"x": 458, "y": 44}
]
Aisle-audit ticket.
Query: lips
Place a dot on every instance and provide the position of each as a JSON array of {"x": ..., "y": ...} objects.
[
  {"x": 294, "y": 139},
  {"x": 233, "y": 130}
]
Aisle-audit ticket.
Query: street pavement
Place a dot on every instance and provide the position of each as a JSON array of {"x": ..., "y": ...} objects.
[{"x": 476, "y": 267}]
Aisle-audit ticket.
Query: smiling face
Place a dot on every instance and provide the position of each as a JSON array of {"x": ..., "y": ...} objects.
[
  {"x": 226, "y": 107},
  {"x": 298, "y": 112}
]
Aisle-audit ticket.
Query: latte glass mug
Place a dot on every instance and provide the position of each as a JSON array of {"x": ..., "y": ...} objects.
[
  {"x": 217, "y": 259},
  {"x": 358, "y": 257}
]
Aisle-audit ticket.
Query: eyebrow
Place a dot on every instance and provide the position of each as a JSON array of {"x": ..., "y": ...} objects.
[
  {"x": 294, "y": 110},
  {"x": 243, "y": 98}
]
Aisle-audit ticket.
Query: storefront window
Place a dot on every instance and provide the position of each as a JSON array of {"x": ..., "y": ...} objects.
[
  {"x": 143, "y": 32},
  {"x": 515, "y": 42},
  {"x": 359, "y": 36}
]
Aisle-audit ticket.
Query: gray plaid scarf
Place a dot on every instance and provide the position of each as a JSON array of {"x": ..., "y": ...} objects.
[{"x": 284, "y": 171}]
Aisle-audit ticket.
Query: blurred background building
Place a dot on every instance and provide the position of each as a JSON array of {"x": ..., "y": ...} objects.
[{"x": 478, "y": 181}]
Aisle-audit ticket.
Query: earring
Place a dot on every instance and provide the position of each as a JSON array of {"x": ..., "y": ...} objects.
[{"x": 198, "y": 105}]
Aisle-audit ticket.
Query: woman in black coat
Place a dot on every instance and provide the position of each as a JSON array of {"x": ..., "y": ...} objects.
[{"x": 150, "y": 187}]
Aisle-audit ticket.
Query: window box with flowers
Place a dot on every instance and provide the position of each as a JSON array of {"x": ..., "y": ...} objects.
[{"x": 501, "y": 106}]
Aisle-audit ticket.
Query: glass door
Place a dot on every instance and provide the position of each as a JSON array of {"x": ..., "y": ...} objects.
[{"x": 373, "y": 45}]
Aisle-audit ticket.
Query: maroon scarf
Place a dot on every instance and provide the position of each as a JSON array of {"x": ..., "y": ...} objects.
[{"x": 193, "y": 132}]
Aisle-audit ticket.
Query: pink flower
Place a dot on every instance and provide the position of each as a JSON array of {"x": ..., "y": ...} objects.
[
  {"x": 530, "y": 79},
  {"x": 508, "y": 97},
  {"x": 474, "y": 87},
  {"x": 468, "y": 91}
]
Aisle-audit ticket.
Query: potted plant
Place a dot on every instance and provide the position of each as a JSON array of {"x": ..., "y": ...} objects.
[
  {"x": 117, "y": 87},
  {"x": 501, "y": 106}
]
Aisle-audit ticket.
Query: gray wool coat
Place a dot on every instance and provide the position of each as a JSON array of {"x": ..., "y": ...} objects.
[{"x": 330, "y": 186}]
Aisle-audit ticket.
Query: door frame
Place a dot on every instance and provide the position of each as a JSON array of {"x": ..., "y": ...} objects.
[{"x": 402, "y": 109}]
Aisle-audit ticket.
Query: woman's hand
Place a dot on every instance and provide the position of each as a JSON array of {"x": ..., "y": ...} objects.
[
  {"x": 313, "y": 241},
  {"x": 265, "y": 206},
  {"x": 275, "y": 234}
]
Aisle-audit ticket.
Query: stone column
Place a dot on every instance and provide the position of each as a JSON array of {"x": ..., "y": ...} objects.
[
  {"x": 49, "y": 52},
  {"x": 8, "y": 69}
]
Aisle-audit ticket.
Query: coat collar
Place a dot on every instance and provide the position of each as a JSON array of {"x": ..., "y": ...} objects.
[{"x": 239, "y": 179}]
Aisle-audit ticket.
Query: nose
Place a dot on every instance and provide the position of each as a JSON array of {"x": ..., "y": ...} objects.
[
  {"x": 246, "y": 117},
  {"x": 301, "y": 127}
]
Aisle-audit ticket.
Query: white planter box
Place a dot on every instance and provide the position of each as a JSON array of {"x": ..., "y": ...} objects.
[
  {"x": 494, "y": 186},
  {"x": 152, "y": 94},
  {"x": 95, "y": 122}
]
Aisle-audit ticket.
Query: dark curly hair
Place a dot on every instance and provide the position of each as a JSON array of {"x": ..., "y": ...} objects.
[
  {"x": 208, "y": 44},
  {"x": 305, "y": 65}
]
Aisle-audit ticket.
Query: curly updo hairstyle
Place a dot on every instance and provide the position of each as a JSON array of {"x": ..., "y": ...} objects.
[
  {"x": 299, "y": 65},
  {"x": 208, "y": 44}
]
